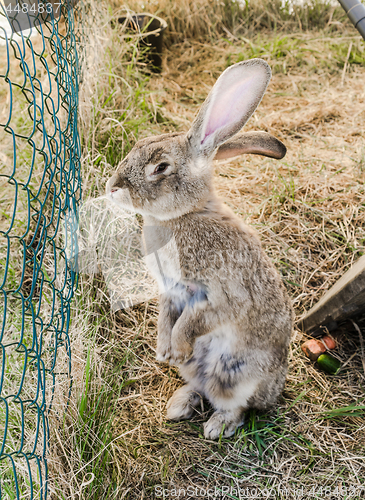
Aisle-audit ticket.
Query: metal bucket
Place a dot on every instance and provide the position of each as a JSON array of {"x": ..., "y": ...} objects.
[{"x": 151, "y": 29}]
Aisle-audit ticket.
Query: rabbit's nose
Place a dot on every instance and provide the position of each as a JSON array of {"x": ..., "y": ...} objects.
[{"x": 114, "y": 183}]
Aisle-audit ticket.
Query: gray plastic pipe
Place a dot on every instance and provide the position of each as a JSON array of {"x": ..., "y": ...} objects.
[{"x": 356, "y": 12}]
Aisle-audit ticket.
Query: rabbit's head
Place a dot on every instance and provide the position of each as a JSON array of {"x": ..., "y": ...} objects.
[{"x": 170, "y": 175}]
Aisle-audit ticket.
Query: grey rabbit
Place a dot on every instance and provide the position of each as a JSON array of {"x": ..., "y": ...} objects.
[{"x": 225, "y": 318}]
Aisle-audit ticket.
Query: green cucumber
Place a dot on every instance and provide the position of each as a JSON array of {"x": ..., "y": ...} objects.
[{"x": 328, "y": 363}]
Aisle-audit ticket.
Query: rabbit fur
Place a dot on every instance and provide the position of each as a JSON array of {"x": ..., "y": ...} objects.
[{"x": 225, "y": 318}]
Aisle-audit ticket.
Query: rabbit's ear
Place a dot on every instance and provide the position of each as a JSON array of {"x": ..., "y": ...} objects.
[
  {"x": 258, "y": 143},
  {"x": 234, "y": 97}
]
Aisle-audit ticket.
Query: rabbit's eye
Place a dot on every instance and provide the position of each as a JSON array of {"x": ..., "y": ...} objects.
[{"x": 161, "y": 167}]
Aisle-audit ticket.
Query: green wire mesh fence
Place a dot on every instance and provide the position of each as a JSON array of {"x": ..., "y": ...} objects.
[{"x": 40, "y": 189}]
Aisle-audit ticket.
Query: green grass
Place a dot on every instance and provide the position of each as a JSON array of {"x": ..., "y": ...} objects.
[{"x": 288, "y": 52}]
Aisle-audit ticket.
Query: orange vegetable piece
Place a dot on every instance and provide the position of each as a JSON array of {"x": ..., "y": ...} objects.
[
  {"x": 313, "y": 348},
  {"x": 329, "y": 342}
]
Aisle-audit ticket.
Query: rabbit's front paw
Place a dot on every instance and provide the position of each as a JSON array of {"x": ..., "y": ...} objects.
[
  {"x": 163, "y": 350},
  {"x": 163, "y": 353},
  {"x": 181, "y": 351}
]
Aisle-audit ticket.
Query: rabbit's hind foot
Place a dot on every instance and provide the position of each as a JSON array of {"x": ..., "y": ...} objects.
[
  {"x": 223, "y": 422},
  {"x": 182, "y": 403}
]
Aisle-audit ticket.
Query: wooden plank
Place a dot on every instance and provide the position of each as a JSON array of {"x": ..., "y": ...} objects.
[{"x": 344, "y": 300}]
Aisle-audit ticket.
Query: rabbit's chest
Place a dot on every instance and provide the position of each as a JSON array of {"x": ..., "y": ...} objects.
[
  {"x": 184, "y": 294},
  {"x": 164, "y": 265}
]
